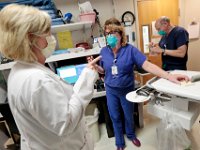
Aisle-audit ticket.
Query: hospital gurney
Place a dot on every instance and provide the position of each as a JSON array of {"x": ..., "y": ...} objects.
[{"x": 180, "y": 101}]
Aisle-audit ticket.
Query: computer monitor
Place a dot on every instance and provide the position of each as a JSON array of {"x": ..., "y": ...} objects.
[{"x": 70, "y": 73}]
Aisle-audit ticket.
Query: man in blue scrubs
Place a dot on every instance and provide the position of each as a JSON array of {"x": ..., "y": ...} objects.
[
  {"x": 117, "y": 63},
  {"x": 173, "y": 45}
]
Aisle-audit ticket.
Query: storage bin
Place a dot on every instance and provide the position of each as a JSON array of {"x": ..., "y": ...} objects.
[
  {"x": 88, "y": 17},
  {"x": 92, "y": 116}
]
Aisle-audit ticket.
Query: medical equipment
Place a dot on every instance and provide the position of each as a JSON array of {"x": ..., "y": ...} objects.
[
  {"x": 70, "y": 73},
  {"x": 165, "y": 97}
]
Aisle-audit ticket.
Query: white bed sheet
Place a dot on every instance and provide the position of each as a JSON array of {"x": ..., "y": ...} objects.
[{"x": 190, "y": 91}]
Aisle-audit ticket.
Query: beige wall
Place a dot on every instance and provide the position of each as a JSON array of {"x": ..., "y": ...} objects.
[
  {"x": 191, "y": 12},
  {"x": 106, "y": 8}
]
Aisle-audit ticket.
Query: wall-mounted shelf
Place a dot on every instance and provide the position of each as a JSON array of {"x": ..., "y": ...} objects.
[
  {"x": 71, "y": 26},
  {"x": 61, "y": 28},
  {"x": 71, "y": 55},
  {"x": 58, "y": 57}
]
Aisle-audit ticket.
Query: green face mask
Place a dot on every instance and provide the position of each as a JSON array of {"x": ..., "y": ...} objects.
[
  {"x": 162, "y": 33},
  {"x": 112, "y": 41}
]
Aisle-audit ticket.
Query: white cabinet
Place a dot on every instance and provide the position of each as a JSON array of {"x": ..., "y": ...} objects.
[
  {"x": 65, "y": 56},
  {"x": 75, "y": 27},
  {"x": 58, "y": 57},
  {"x": 72, "y": 55},
  {"x": 71, "y": 26}
]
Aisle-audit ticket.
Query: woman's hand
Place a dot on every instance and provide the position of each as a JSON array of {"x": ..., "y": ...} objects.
[
  {"x": 178, "y": 78},
  {"x": 89, "y": 58},
  {"x": 92, "y": 64}
]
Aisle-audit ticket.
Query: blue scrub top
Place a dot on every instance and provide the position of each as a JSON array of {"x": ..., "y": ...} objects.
[
  {"x": 176, "y": 38},
  {"x": 127, "y": 57}
]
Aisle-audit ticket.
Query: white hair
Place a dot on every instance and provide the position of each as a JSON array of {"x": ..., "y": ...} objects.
[{"x": 164, "y": 19}]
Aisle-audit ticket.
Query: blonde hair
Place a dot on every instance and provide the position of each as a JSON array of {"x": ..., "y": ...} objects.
[
  {"x": 16, "y": 23},
  {"x": 114, "y": 24}
]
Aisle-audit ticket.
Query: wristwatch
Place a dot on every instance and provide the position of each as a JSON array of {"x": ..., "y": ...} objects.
[{"x": 163, "y": 51}]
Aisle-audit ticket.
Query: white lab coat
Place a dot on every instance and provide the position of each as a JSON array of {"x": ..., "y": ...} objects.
[{"x": 48, "y": 112}]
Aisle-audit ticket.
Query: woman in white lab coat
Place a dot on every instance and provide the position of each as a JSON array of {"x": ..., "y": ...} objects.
[{"x": 48, "y": 112}]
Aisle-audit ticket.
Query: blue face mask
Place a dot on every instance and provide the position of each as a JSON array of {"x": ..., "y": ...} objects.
[
  {"x": 111, "y": 40},
  {"x": 162, "y": 33}
]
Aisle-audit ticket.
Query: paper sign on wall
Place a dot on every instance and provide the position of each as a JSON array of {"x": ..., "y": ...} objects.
[
  {"x": 64, "y": 40},
  {"x": 145, "y": 38},
  {"x": 193, "y": 30}
]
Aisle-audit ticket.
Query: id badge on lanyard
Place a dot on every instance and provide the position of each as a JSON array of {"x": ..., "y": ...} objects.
[
  {"x": 114, "y": 67},
  {"x": 114, "y": 70}
]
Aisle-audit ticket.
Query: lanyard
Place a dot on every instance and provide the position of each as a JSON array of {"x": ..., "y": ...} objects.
[{"x": 114, "y": 68}]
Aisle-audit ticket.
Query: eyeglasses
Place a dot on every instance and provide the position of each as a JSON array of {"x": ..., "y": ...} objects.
[{"x": 111, "y": 32}]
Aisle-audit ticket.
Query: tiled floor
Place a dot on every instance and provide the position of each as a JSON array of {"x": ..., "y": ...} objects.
[{"x": 147, "y": 136}]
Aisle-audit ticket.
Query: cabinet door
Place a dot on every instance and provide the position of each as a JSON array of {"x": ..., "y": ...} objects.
[{"x": 150, "y": 10}]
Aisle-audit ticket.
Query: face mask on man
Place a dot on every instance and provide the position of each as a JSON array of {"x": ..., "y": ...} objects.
[
  {"x": 51, "y": 45},
  {"x": 111, "y": 41},
  {"x": 162, "y": 33}
]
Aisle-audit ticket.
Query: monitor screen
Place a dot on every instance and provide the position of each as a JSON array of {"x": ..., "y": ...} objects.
[{"x": 70, "y": 73}]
